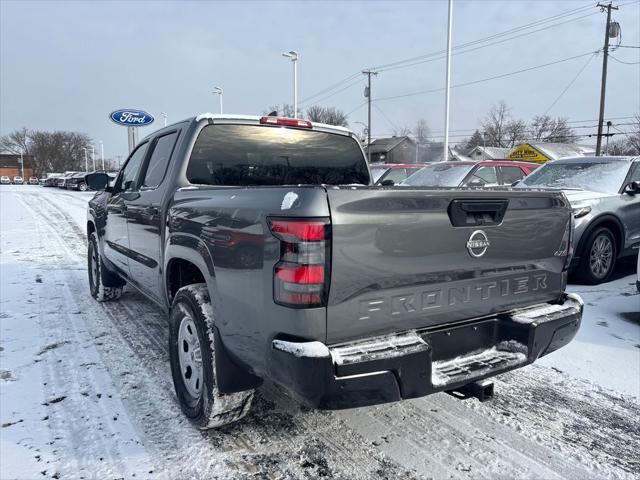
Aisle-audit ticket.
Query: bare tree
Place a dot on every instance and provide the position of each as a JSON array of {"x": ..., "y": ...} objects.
[
  {"x": 285, "y": 111},
  {"x": 402, "y": 131},
  {"x": 422, "y": 131},
  {"x": 515, "y": 132},
  {"x": 547, "y": 129},
  {"x": 634, "y": 139},
  {"x": 16, "y": 142},
  {"x": 495, "y": 123},
  {"x": 328, "y": 115}
]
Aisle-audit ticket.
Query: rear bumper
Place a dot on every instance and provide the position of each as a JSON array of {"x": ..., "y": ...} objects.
[{"x": 417, "y": 363}]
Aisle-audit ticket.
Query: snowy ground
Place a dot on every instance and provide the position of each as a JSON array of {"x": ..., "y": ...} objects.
[{"x": 85, "y": 389}]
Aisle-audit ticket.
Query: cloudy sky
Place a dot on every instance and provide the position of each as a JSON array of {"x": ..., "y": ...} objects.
[{"x": 66, "y": 65}]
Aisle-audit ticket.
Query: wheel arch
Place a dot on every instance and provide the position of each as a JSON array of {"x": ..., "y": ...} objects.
[{"x": 610, "y": 221}]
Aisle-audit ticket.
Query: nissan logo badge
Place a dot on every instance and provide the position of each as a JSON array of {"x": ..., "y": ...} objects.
[{"x": 478, "y": 243}]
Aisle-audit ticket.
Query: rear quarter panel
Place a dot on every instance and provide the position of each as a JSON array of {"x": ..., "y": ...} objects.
[{"x": 225, "y": 230}]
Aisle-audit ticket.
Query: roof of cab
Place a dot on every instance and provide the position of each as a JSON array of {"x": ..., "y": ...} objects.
[
  {"x": 594, "y": 159},
  {"x": 255, "y": 119}
]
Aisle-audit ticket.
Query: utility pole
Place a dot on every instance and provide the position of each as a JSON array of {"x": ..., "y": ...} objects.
[
  {"x": 603, "y": 84},
  {"x": 102, "y": 154},
  {"x": 367, "y": 93},
  {"x": 445, "y": 155}
]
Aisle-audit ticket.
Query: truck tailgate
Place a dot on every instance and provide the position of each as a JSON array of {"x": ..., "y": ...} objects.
[{"x": 406, "y": 258}]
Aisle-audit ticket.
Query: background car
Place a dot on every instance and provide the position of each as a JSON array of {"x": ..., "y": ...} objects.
[
  {"x": 638, "y": 273},
  {"x": 76, "y": 182},
  {"x": 4, "y": 180},
  {"x": 604, "y": 193},
  {"x": 486, "y": 173},
  {"x": 62, "y": 180},
  {"x": 396, "y": 172},
  {"x": 33, "y": 181},
  {"x": 18, "y": 180},
  {"x": 51, "y": 181}
]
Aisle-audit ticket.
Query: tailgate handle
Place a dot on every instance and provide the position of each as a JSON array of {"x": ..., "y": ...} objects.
[{"x": 466, "y": 213}]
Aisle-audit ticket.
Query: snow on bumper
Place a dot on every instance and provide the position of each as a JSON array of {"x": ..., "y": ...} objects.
[{"x": 416, "y": 363}]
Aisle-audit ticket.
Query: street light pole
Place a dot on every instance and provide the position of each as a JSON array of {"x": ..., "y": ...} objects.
[
  {"x": 86, "y": 162},
  {"x": 102, "y": 153},
  {"x": 447, "y": 86},
  {"x": 164, "y": 117},
  {"x": 22, "y": 165},
  {"x": 93, "y": 157},
  {"x": 218, "y": 91},
  {"x": 293, "y": 55}
]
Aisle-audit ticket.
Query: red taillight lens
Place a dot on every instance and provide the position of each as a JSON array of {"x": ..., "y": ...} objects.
[
  {"x": 286, "y": 122},
  {"x": 298, "y": 231},
  {"x": 301, "y": 275}
]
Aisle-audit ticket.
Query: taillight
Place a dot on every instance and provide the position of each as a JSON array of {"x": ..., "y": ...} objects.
[
  {"x": 286, "y": 122},
  {"x": 566, "y": 246},
  {"x": 301, "y": 277}
]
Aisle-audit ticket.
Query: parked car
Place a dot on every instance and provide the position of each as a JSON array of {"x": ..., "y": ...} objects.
[
  {"x": 76, "y": 182},
  {"x": 604, "y": 193},
  {"x": 33, "y": 181},
  {"x": 392, "y": 172},
  {"x": 316, "y": 306},
  {"x": 486, "y": 173},
  {"x": 18, "y": 180},
  {"x": 4, "y": 180},
  {"x": 51, "y": 180},
  {"x": 62, "y": 180}
]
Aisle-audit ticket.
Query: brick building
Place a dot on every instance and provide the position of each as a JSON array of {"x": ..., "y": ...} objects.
[{"x": 10, "y": 165}]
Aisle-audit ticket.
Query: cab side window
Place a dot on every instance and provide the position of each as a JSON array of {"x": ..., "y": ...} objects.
[
  {"x": 511, "y": 174},
  {"x": 483, "y": 176},
  {"x": 157, "y": 165},
  {"x": 127, "y": 180}
]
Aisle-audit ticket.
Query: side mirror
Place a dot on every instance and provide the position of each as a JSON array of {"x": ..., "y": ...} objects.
[
  {"x": 97, "y": 181},
  {"x": 387, "y": 183},
  {"x": 632, "y": 188}
]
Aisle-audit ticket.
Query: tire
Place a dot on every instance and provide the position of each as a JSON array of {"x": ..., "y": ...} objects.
[
  {"x": 192, "y": 358},
  {"x": 82, "y": 187},
  {"x": 96, "y": 271},
  {"x": 598, "y": 257}
]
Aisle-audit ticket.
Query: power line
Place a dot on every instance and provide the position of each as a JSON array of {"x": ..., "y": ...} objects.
[
  {"x": 482, "y": 80},
  {"x": 471, "y": 43},
  {"x": 440, "y": 55},
  {"x": 570, "y": 83},
  {"x": 620, "y": 61},
  {"x": 491, "y": 37},
  {"x": 317, "y": 102}
]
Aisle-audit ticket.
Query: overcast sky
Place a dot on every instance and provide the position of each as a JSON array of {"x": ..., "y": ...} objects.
[{"x": 67, "y": 65}]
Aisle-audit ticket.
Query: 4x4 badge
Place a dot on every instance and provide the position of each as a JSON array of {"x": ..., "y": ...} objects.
[{"x": 478, "y": 243}]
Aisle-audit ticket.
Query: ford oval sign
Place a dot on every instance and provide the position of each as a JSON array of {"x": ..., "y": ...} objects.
[{"x": 131, "y": 118}]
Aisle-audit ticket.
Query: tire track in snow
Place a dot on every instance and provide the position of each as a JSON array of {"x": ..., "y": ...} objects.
[
  {"x": 523, "y": 432},
  {"x": 276, "y": 440}
]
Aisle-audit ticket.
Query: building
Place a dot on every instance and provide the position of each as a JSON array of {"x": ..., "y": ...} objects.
[
  {"x": 489, "y": 153},
  {"x": 393, "y": 150},
  {"x": 542, "y": 152},
  {"x": 10, "y": 165}
]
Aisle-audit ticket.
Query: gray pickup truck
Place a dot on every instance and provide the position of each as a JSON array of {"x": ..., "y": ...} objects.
[{"x": 276, "y": 259}]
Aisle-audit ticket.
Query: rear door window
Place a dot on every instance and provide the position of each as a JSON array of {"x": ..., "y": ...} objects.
[
  {"x": 242, "y": 155},
  {"x": 397, "y": 175},
  {"x": 127, "y": 181},
  {"x": 157, "y": 165},
  {"x": 511, "y": 174}
]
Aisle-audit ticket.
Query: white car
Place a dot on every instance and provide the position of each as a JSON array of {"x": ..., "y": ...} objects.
[
  {"x": 17, "y": 180},
  {"x": 4, "y": 180}
]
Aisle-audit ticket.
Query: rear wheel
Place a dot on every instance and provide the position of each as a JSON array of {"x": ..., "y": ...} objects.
[
  {"x": 95, "y": 268},
  {"x": 192, "y": 356},
  {"x": 599, "y": 257}
]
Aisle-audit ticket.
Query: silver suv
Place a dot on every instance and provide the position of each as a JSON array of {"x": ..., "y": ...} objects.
[{"x": 604, "y": 193}]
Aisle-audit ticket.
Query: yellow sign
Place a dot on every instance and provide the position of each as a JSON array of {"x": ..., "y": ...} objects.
[{"x": 527, "y": 153}]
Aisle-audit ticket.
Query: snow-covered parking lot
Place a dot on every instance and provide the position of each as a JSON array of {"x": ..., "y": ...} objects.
[{"x": 86, "y": 391}]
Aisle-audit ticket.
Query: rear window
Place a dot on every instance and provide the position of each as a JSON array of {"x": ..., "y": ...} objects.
[{"x": 243, "y": 155}]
